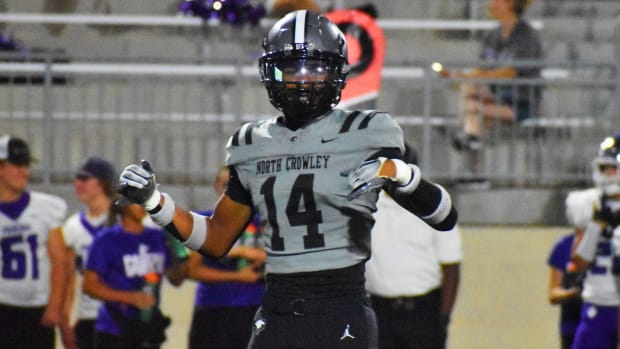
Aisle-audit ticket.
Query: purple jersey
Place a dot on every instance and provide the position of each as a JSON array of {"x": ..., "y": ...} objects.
[
  {"x": 598, "y": 328},
  {"x": 559, "y": 258},
  {"x": 122, "y": 259}
]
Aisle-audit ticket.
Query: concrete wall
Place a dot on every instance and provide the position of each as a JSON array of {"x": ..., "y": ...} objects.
[{"x": 511, "y": 206}]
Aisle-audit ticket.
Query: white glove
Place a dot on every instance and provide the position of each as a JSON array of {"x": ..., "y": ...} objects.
[
  {"x": 376, "y": 174},
  {"x": 138, "y": 185}
]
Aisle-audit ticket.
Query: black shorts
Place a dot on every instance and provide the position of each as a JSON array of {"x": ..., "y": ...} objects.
[
  {"x": 85, "y": 333},
  {"x": 221, "y": 327},
  {"x": 406, "y": 322},
  {"x": 20, "y": 328}
]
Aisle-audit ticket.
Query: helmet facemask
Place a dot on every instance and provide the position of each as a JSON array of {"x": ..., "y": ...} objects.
[{"x": 303, "y": 87}]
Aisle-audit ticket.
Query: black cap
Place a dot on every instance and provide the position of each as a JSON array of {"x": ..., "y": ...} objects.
[
  {"x": 97, "y": 167},
  {"x": 15, "y": 150}
]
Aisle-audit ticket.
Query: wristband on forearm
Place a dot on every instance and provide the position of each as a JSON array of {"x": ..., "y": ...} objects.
[
  {"x": 163, "y": 214},
  {"x": 414, "y": 181},
  {"x": 443, "y": 208},
  {"x": 199, "y": 232}
]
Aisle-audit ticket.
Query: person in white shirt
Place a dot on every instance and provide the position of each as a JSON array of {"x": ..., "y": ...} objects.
[
  {"x": 29, "y": 222},
  {"x": 597, "y": 252},
  {"x": 412, "y": 277},
  {"x": 94, "y": 185}
]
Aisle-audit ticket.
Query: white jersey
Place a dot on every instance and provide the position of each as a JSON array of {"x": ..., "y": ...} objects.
[
  {"x": 599, "y": 286},
  {"x": 24, "y": 230},
  {"x": 407, "y": 253},
  {"x": 79, "y": 232}
]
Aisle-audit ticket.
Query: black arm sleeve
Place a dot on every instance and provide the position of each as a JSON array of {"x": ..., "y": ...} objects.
[{"x": 424, "y": 201}]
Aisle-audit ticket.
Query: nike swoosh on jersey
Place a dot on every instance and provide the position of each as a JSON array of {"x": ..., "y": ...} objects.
[{"x": 323, "y": 140}]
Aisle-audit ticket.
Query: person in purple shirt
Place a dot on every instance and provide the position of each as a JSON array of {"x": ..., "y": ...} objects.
[
  {"x": 565, "y": 287},
  {"x": 119, "y": 259},
  {"x": 230, "y": 290}
]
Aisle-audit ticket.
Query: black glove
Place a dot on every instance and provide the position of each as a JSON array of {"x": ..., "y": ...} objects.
[
  {"x": 573, "y": 279},
  {"x": 138, "y": 185}
]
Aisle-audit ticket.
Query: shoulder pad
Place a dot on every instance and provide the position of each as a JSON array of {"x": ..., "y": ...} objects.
[
  {"x": 580, "y": 206},
  {"x": 243, "y": 135},
  {"x": 384, "y": 131},
  {"x": 361, "y": 119}
]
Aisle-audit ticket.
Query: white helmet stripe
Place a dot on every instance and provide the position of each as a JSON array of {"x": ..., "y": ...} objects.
[{"x": 300, "y": 27}]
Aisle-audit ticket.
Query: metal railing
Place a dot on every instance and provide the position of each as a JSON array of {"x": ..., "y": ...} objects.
[{"x": 180, "y": 116}]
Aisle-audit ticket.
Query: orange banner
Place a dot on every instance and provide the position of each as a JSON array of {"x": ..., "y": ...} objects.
[{"x": 366, "y": 53}]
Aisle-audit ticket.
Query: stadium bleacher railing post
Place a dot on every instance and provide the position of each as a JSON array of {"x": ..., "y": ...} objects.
[
  {"x": 48, "y": 112},
  {"x": 426, "y": 114},
  {"x": 617, "y": 70}
]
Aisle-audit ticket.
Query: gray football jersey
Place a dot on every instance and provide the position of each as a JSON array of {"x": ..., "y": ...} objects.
[{"x": 298, "y": 183}]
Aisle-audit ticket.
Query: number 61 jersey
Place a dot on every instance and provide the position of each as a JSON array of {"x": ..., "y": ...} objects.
[
  {"x": 298, "y": 183},
  {"x": 24, "y": 228}
]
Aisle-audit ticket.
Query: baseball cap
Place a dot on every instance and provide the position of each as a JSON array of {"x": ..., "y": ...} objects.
[
  {"x": 96, "y": 167},
  {"x": 15, "y": 150}
]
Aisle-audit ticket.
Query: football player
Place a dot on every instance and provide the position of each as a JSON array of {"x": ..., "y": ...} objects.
[
  {"x": 597, "y": 252},
  {"x": 313, "y": 175},
  {"x": 30, "y": 297}
]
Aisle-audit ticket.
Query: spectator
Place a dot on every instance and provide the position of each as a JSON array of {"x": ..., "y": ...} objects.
[
  {"x": 595, "y": 252},
  {"x": 506, "y": 52},
  {"x": 565, "y": 284},
  {"x": 279, "y": 8},
  {"x": 94, "y": 187},
  {"x": 313, "y": 175},
  {"x": 122, "y": 260},
  {"x": 30, "y": 299},
  {"x": 230, "y": 290},
  {"x": 412, "y": 276}
]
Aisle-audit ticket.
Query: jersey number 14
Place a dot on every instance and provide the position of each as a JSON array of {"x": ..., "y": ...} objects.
[{"x": 297, "y": 214}]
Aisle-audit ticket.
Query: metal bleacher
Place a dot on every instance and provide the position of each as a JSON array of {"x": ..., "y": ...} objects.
[{"x": 174, "y": 93}]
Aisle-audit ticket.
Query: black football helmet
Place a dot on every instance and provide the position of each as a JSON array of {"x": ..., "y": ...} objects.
[
  {"x": 608, "y": 157},
  {"x": 304, "y": 65}
]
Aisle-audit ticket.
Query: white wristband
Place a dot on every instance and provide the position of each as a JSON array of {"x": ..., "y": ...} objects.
[
  {"x": 164, "y": 216},
  {"x": 414, "y": 181},
  {"x": 199, "y": 232},
  {"x": 443, "y": 208},
  {"x": 403, "y": 172}
]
